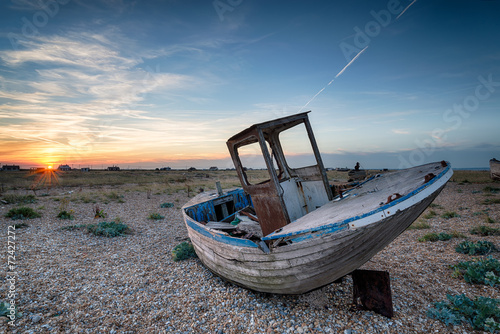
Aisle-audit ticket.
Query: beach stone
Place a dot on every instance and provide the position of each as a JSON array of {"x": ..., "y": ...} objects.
[
  {"x": 130, "y": 284},
  {"x": 36, "y": 318}
]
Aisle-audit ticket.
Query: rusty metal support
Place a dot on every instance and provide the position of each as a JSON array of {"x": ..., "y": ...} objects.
[{"x": 373, "y": 289}]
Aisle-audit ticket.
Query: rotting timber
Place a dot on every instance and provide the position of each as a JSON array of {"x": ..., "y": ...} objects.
[{"x": 289, "y": 234}]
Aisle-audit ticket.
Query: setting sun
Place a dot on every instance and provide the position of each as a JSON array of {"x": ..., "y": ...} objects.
[{"x": 49, "y": 167}]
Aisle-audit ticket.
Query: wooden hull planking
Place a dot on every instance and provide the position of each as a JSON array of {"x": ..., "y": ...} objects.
[
  {"x": 304, "y": 266},
  {"x": 316, "y": 261}
]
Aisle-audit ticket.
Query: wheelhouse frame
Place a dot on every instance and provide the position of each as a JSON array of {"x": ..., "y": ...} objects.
[{"x": 289, "y": 193}]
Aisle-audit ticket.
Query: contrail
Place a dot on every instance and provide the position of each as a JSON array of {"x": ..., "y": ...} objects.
[
  {"x": 406, "y": 8},
  {"x": 349, "y": 64},
  {"x": 338, "y": 74}
]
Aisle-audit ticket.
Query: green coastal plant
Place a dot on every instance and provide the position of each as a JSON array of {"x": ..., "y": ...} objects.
[
  {"x": 435, "y": 237},
  {"x": 156, "y": 216},
  {"x": 489, "y": 201},
  {"x": 99, "y": 213},
  {"x": 484, "y": 230},
  {"x": 19, "y": 199},
  {"x": 113, "y": 196},
  {"x": 481, "y": 313},
  {"x": 482, "y": 271},
  {"x": 430, "y": 215},
  {"x": 108, "y": 229},
  {"x": 22, "y": 212},
  {"x": 492, "y": 190},
  {"x": 450, "y": 214},
  {"x": 419, "y": 226},
  {"x": 479, "y": 248},
  {"x": 65, "y": 214},
  {"x": 489, "y": 220},
  {"x": 183, "y": 251},
  {"x": 5, "y": 308}
]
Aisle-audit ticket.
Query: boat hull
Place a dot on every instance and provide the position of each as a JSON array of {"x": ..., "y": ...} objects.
[
  {"x": 495, "y": 169},
  {"x": 317, "y": 260}
]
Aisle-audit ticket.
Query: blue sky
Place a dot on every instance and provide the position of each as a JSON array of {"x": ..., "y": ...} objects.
[{"x": 391, "y": 84}]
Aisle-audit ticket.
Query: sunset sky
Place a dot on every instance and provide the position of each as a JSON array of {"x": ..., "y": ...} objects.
[{"x": 150, "y": 84}]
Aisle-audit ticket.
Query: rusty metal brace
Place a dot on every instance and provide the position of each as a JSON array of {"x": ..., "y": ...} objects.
[{"x": 372, "y": 288}]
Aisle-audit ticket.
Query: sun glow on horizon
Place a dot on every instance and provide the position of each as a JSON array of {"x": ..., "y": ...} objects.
[{"x": 46, "y": 178}]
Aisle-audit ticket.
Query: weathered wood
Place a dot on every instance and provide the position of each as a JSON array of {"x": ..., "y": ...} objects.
[
  {"x": 306, "y": 265},
  {"x": 309, "y": 238}
]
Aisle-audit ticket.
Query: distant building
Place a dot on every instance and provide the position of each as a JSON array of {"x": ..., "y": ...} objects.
[
  {"x": 191, "y": 169},
  {"x": 213, "y": 168},
  {"x": 85, "y": 169},
  {"x": 165, "y": 168},
  {"x": 113, "y": 169},
  {"x": 11, "y": 168},
  {"x": 64, "y": 168}
]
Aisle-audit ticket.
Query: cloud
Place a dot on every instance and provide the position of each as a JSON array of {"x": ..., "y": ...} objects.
[
  {"x": 83, "y": 94},
  {"x": 400, "y": 131}
]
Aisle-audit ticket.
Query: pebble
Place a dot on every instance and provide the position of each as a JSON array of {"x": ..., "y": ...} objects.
[
  {"x": 81, "y": 283},
  {"x": 36, "y": 318}
]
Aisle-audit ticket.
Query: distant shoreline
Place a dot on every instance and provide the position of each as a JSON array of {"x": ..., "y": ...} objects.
[{"x": 478, "y": 169}]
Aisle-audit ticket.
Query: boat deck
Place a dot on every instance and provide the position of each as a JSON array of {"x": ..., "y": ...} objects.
[{"x": 376, "y": 194}]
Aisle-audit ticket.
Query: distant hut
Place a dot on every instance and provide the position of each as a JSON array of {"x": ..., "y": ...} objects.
[
  {"x": 165, "y": 168},
  {"x": 85, "y": 169},
  {"x": 495, "y": 169},
  {"x": 113, "y": 168},
  {"x": 64, "y": 168},
  {"x": 213, "y": 168},
  {"x": 191, "y": 169},
  {"x": 11, "y": 168}
]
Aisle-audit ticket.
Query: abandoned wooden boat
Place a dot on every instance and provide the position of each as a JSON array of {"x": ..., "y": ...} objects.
[
  {"x": 290, "y": 234},
  {"x": 495, "y": 169}
]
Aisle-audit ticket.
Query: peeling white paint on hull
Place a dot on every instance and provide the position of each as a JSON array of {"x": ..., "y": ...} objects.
[{"x": 323, "y": 253}]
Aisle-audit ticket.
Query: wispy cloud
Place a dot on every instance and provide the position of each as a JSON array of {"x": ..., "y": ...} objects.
[
  {"x": 84, "y": 91},
  {"x": 400, "y": 131}
]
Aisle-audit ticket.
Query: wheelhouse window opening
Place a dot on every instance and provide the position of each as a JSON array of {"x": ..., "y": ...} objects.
[
  {"x": 289, "y": 193},
  {"x": 250, "y": 157},
  {"x": 297, "y": 150}
]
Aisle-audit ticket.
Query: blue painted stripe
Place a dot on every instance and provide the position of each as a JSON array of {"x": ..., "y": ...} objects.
[{"x": 336, "y": 226}]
